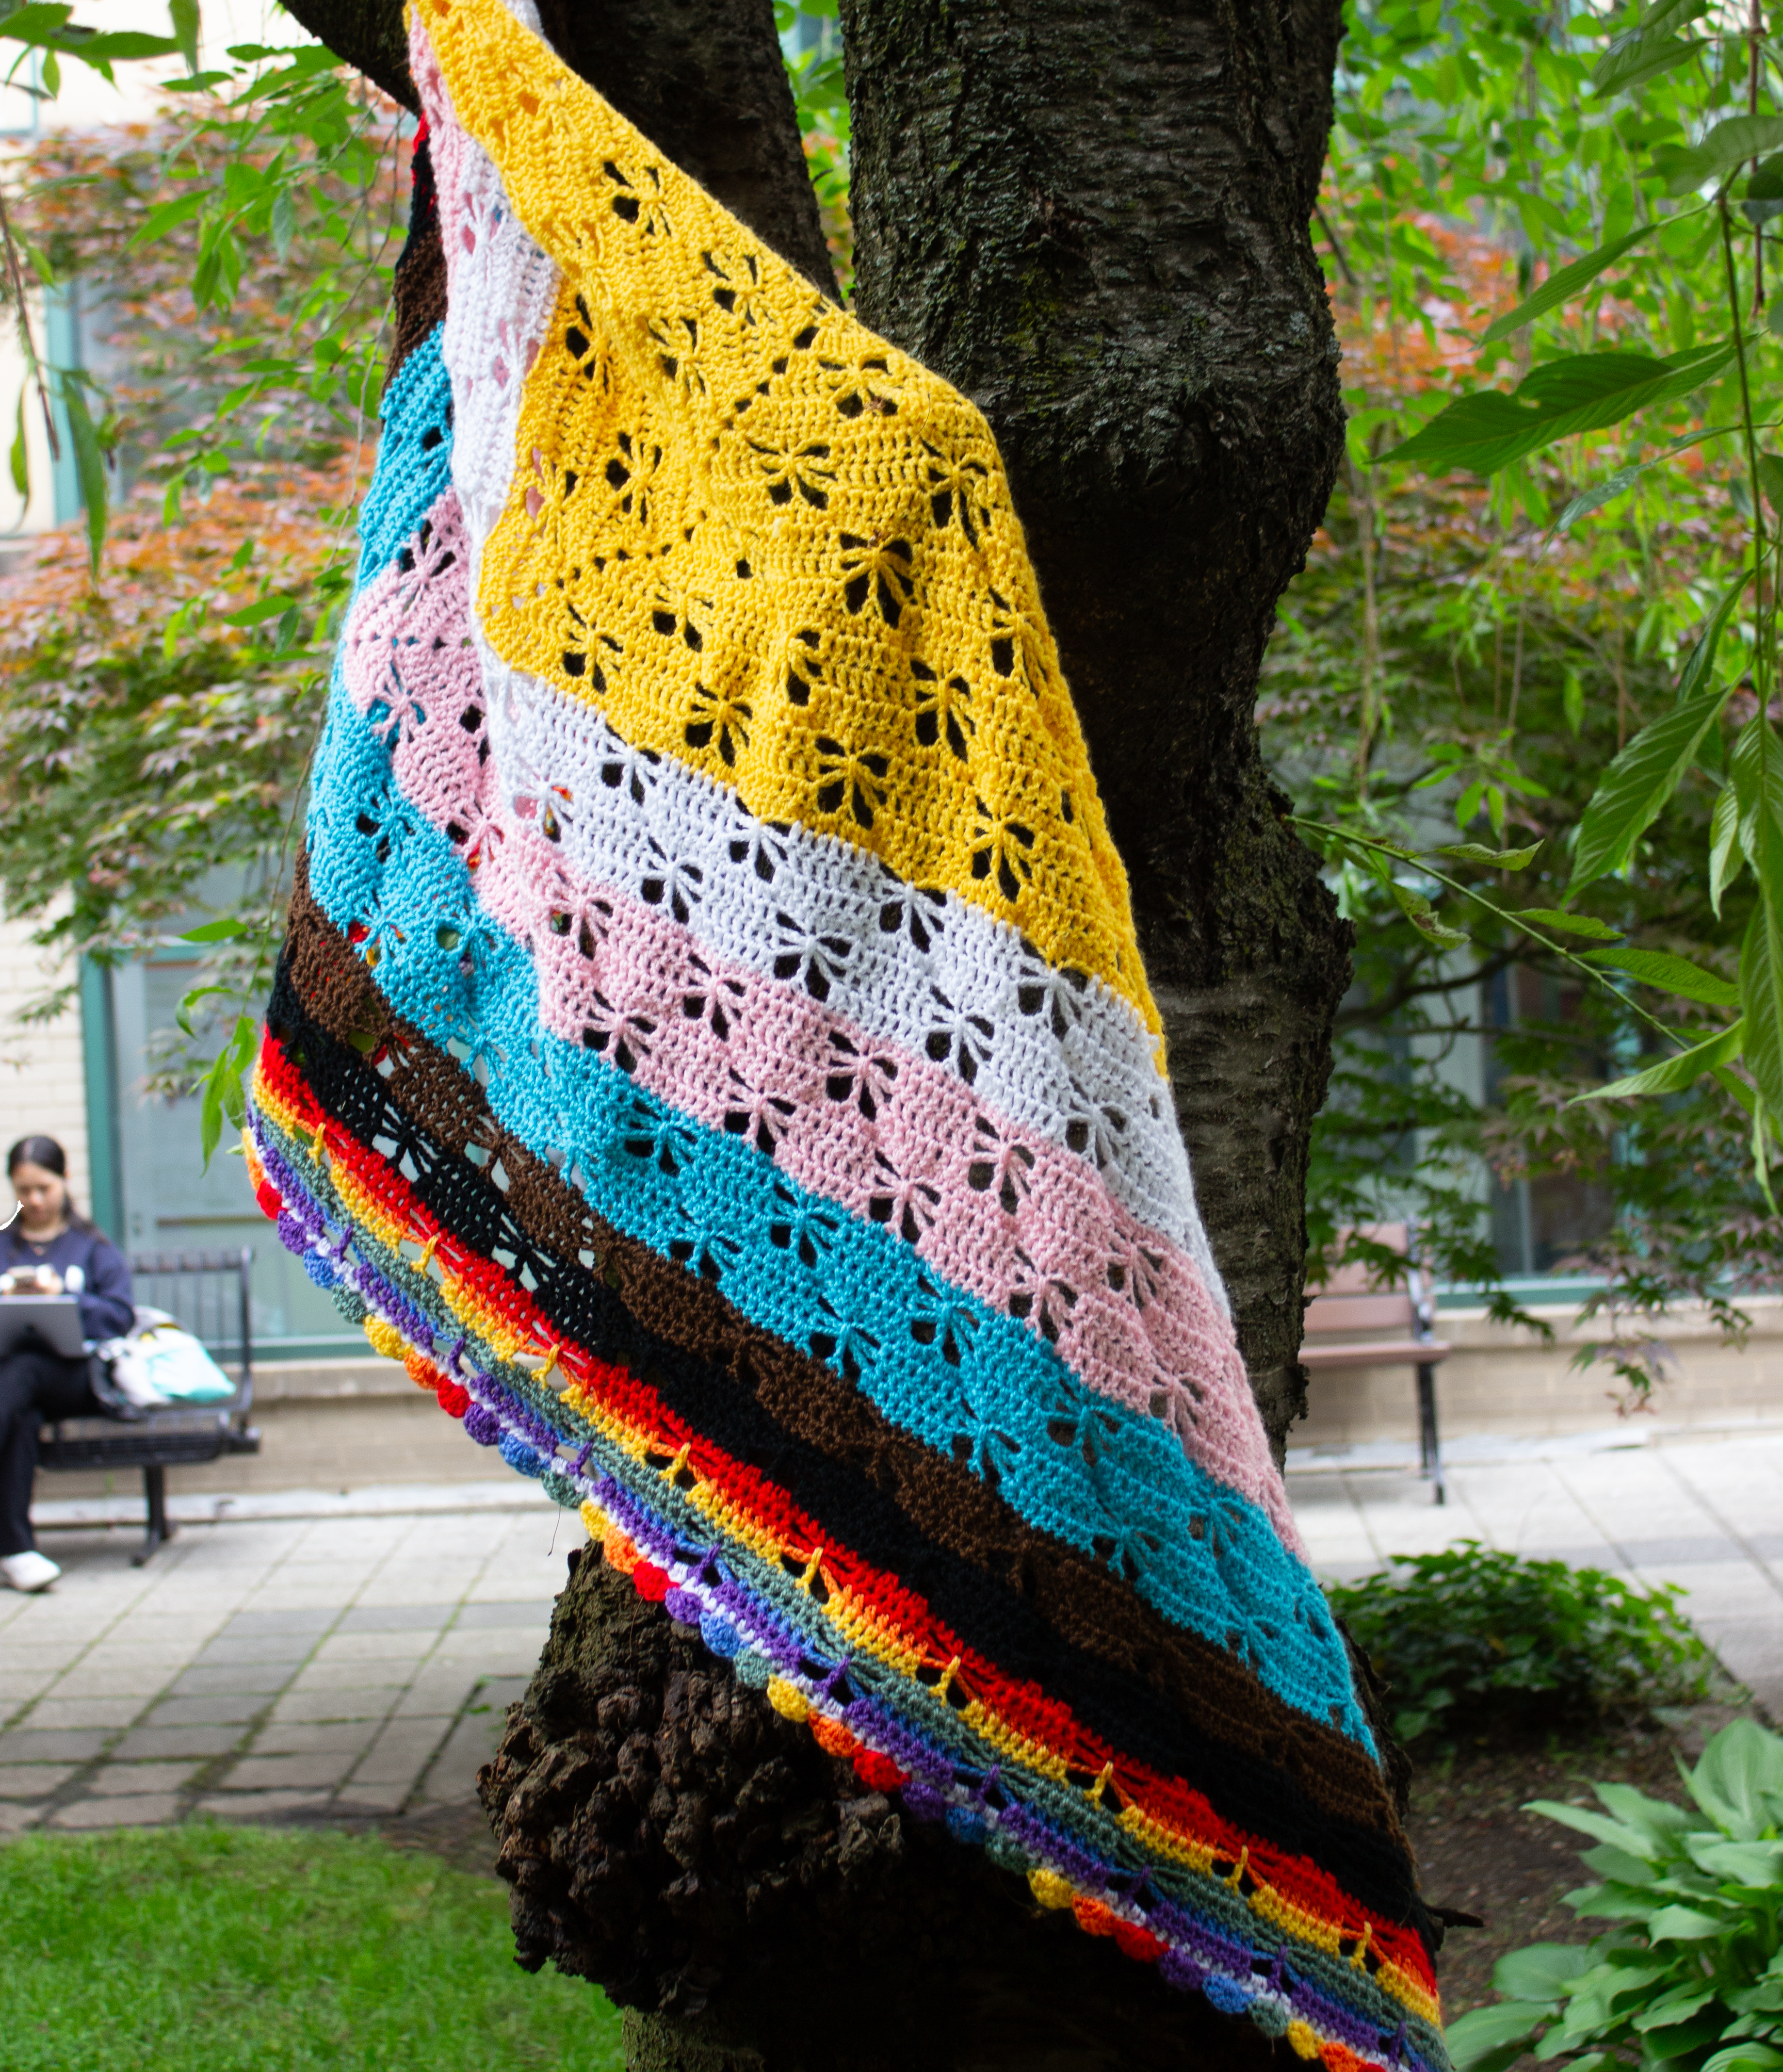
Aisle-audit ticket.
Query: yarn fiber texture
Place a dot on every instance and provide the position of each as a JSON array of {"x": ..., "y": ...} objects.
[{"x": 711, "y": 1054}]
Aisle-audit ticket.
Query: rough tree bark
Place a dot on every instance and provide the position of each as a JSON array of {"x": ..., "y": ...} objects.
[{"x": 1091, "y": 216}]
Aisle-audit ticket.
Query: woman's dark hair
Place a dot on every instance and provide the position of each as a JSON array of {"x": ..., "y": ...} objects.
[{"x": 44, "y": 1151}]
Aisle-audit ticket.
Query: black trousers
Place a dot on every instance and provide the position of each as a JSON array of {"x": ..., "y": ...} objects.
[{"x": 35, "y": 1388}]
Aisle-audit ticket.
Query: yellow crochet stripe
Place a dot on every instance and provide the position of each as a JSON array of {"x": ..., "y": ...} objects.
[
  {"x": 868, "y": 1627},
  {"x": 766, "y": 543}
]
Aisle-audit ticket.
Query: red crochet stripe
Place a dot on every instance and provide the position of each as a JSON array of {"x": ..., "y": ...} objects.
[{"x": 1024, "y": 1705}]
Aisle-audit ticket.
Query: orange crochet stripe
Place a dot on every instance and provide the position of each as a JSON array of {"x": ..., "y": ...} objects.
[{"x": 877, "y": 1615}]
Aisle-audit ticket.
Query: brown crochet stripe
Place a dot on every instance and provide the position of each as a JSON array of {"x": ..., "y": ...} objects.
[
  {"x": 1092, "y": 1610},
  {"x": 418, "y": 288}
]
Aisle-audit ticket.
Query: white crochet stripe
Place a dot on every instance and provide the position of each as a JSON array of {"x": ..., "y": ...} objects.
[
  {"x": 1068, "y": 1059},
  {"x": 1073, "y": 1066}
]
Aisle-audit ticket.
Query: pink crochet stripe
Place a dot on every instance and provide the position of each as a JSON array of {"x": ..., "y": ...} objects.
[{"x": 883, "y": 1133}]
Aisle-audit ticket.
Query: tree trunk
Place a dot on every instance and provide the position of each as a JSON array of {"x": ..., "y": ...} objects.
[
  {"x": 1090, "y": 215},
  {"x": 652, "y": 1806}
]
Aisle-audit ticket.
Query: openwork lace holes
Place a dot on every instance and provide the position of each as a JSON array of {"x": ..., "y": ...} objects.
[
  {"x": 802, "y": 471},
  {"x": 878, "y": 569},
  {"x": 639, "y": 202},
  {"x": 851, "y": 777},
  {"x": 1002, "y": 851},
  {"x": 944, "y": 710}
]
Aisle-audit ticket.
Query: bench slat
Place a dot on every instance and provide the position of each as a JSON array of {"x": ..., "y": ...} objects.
[
  {"x": 1396, "y": 1352},
  {"x": 1389, "y": 1312}
]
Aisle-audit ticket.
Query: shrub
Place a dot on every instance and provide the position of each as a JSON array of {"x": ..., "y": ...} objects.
[
  {"x": 1472, "y": 1638},
  {"x": 1691, "y": 1977}
]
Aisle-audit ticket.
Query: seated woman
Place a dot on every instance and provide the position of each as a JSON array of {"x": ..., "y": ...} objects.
[{"x": 48, "y": 1249}]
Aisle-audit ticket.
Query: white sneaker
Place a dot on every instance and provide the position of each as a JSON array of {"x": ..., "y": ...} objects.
[{"x": 29, "y": 1571}]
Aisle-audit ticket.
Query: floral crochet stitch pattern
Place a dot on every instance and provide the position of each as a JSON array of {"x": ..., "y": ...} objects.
[{"x": 712, "y": 1032}]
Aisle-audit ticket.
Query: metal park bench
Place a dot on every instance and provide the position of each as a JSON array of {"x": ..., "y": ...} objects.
[
  {"x": 1350, "y": 1325},
  {"x": 209, "y": 1293}
]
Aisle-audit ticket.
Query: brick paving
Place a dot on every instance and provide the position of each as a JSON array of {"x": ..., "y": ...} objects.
[
  {"x": 1703, "y": 1512},
  {"x": 348, "y": 1666}
]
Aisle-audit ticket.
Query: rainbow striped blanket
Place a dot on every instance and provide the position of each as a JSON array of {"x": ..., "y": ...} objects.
[{"x": 711, "y": 1053}]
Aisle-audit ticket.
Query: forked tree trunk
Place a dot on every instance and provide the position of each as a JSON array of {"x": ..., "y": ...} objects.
[{"x": 1091, "y": 216}]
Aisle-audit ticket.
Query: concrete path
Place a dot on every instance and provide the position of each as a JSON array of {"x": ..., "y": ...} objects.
[
  {"x": 308, "y": 1656},
  {"x": 273, "y": 1667},
  {"x": 1704, "y": 1512}
]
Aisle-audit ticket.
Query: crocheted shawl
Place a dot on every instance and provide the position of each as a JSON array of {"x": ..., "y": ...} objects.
[{"x": 711, "y": 1033}]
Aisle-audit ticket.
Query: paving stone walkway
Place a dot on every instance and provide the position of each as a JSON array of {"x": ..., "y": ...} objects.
[
  {"x": 1704, "y": 1512},
  {"x": 355, "y": 1665},
  {"x": 348, "y": 1666}
]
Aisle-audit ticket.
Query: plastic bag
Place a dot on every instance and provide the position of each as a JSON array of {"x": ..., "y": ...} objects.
[{"x": 161, "y": 1363}]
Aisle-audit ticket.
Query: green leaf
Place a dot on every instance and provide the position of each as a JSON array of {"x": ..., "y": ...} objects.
[
  {"x": 1666, "y": 973},
  {"x": 1757, "y": 1864},
  {"x": 1675, "y": 1074},
  {"x": 1725, "y": 858},
  {"x": 115, "y": 46},
  {"x": 1761, "y": 982},
  {"x": 1758, "y": 787},
  {"x": 1623, "y": 73},
  {"x": 1634, "y": 789},
  {"x": 1597, "y": 1825},
  {"x": 1500, "y": 859},
  {"x": 189, "y": 1002},
  {"x": 258, "y": 613},
  {"x": 228, "y": 930},
  {"x": 1770, "y": 480},
  {"x": 1561, "y": 287},
  {"x": 1571, "y": 924},
  {"x": 1541, "y": 1971},
  {"x": 1417, "y": 910},
  {"x": 283, "y": 221},
  {"x": 1702, "y": 655},
  {"x": 221, "y": 1093},
  {"x": 1740, "y": 1770},
  {"x": 1750, "y": 2056},
  {"x": 1583, "y": 392},
  {"x": 36, "y": 24},
  {"x": 21, "y": 464},
  {"x": 1671, "y": 2009},
  {"x": 1683, "y": 1924},
  {"x": 1486, "y": 2030},
  {"x": 1593, "y": 499},
  {"x": 184, "y": 14},
  {"x": 169, "y": 216},
  {"x": 1729, "y": 144},
  {"x": 1762, "y": 200},
  {"x": 89, "y": 463}
]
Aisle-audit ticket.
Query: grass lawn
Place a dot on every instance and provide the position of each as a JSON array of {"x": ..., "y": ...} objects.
[{"x": 203, "y": 1949}]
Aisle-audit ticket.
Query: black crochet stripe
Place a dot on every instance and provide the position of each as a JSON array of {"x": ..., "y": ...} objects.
[{"x": 989, "y": 1612}]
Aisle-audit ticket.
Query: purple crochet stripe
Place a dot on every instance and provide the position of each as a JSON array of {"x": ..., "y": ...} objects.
[
  {"x": 393, "y": 1305},
  {"x": 1212, "y": 1953},
  {"x": 1199, "y": 1954}
]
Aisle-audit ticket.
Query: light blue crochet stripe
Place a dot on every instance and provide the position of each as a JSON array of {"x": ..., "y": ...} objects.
[
  {"x": 410, "y": 474},
  {"x": 1103, "y": 1479}
]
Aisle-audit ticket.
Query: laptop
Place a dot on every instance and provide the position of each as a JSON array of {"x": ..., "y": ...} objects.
[{"x": 54, "y": 1319}]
